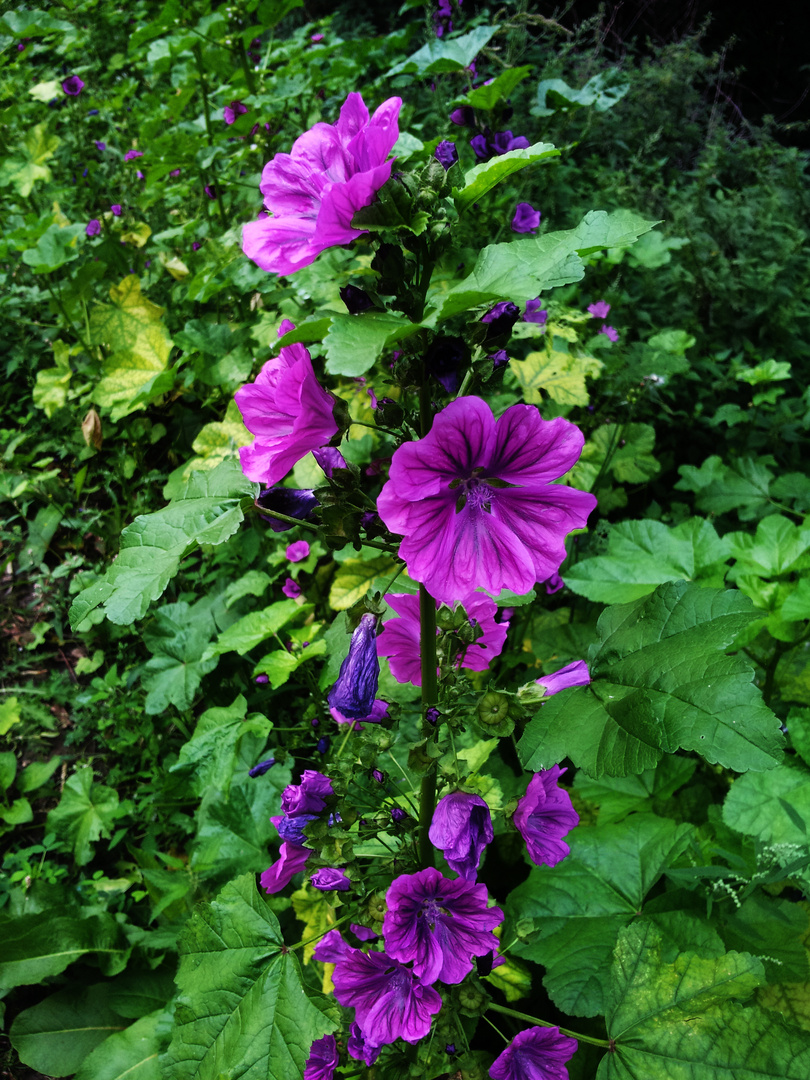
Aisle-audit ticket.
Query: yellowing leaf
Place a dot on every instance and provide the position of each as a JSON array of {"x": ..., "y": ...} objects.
[
  {"x": 138, "y": 234},
  {"x": 316, "y": 913},
  {"x": 175, "y": 265},
  {"x": 46, "y": 91},
  {"x": 355, "y": 577},
  {"x": 512, "y": 978},
  {"x": 792, "y": 1000},
  {"x": 51, "y": 388},
  {"x": 560, "y": 374}
]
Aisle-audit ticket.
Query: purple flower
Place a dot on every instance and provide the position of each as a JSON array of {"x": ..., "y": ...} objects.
[
  {"x": 292, "y": 860},
  {"x": 499, "y": 359},
  {"x": 195, "y": 246},
  {"x": 292, "y": 502},
  {"x": 73, "y": 86},
  {"x": 544, "y": 816},
  {"x": 500, "y": 319},
  {"x": 262, "y": 767},
  {"x": 262, "y": 679},
  {"x": 536, "y": 1054},
  {"x": 526, "y": 218},
  {"x": 446, "y": 153},
  {"x": 329, "y": 458},
  {"x": 92, "y": 112},
  {"x": 140, "y": 176},
  {"x": 575, "y": 674},
  {"x": 210, "y": 191},
  {"x": 288, "y": 411},
  {"x": 362, "y": 933},
  {"x": 445, "y": 360},
  {"x": 316, "y": 38},
  {"x": 464, "y": 116},
  {"x": 291, "y": 588},
  {"x": 481, "y": 147},
  {"x": 599, "y": 310},
  {"x": 399, "y": 640},
  {"x": 378, "y": 776},
  {"x": 174, "y": 172},
  {"x": 291, "y": 829},
  {"x": 554, "y": 584},
  {"x": 462, "y": 828},
  {"x": 379, "y": 711},
  {"x": 130, "y": 155},
  {"x": 389, "y": 1001},
  {"x": 534, "y": 314},
  {"x": 323, "y": 743},
  {"x": 314, "y": 192},
  {"x": 331, "y": 948},
  {"x": 462, "y": 531},
  {"x": 356, "y": 300},
  {"x": 285, "y": 327},
  {"x": 360, "y": 1048},
  {"x": 116, "y": 210},
  {"x": 308, "y": 796},
  {"x": 230, "y": 112},
  {"x": 100, "y": 146},
  {"x": 93, "y": 228},
  {"x": 609, "y": 331},
  {"x": 504, "y": 141},
  {"x": 297, "y": 551},
  {"x": 438, "y": 924},
  {"x": 323, "y": 1059},
  {"x": 329, "y": 879},
  {"x": 398, "y": 815},
  {"x": 355, "y": 690}
]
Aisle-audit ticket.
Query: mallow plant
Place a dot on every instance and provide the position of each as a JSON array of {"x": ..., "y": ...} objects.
[{"x": 429, "y": 767}]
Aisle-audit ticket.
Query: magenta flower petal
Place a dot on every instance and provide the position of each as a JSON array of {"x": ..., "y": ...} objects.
[
  {"x": 297, "y": 551},
  {"x": 379, "y": 711},
  {"x": 438, "y": 924},
  {"x": 93, "y": 228},
  {"x": 610, "y": 332},
  {"x": 461, "y": 828},
  {"x": 576, "y": 674},
  {"x": 292, "y": 860},
  {"x": 73, "y": 86},
  {"x": 536, "y": 1054},
  {"x": 308, "y": 796},
  {"x": 361, "y": 1048},
  {"x": 526, "y": 218},
  {"x": 599, "y": 310},
  {"x": 291, "y": 589},
  {"x": 544, "y": 816},
  {"x": 331, "y": 948},
  {"x": 329, "y": 879},
  {"x": 354, "y": 692},
  {"x": 389, "y": 1001},
  {"x": 323, "y": 1059}
]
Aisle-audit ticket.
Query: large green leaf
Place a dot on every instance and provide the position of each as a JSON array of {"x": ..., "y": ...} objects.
[
  {"x": 249, "y": 631},
  {"x": 22, "y": 172},
  {"x": 567, "y": 917},
  {"x": 56, "y": 1036},
  {"x": 492, "y": 91},
  {"x": 445, "y": 54},
  {"x": 483, "y": 177},
  {"x": 132, "y": 1054},
  {"x": 85, "y": 813},
  {"x": 778, "y": 547},
  {"x": 241, "y": 997},
  {"x": 207, "y": 510},
  {"x": 28, "y": 24},
  {"x": 681, "y": 1018},
  {"x": 644, "y": 554},
  {"x": 57, "y": 245},
  {"x": 719, "y": 488},
  {"x": 38, "y": 946},
  {"x": 353, "y": 342},
  {"x": 177, "y": 638},
  {"x": 661, "y": 681},
  {"x": 617, "y": 796},
  {"x": 210, "y": 755}
]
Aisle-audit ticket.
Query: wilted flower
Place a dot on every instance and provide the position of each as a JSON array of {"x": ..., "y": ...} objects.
[
  {"x": 288, "y": 411},
  {"x": 355, "y": 690},
  {"x": 534, "y": 314},
  {"x": 73, "y": 86},
  {"x": 330, "y": 879},
  {"x": 93, "y": 228},
  {"x": 323, "y": 1059},
  {"x": 576, "y": 674},
  {"x": 461, "y": 829},
  {"x": 356, "y": 300},
  {"x": 536, "y": 1054},
  {"x": 475, "y": 502},
  {"x": 232, "y": 111},
  {"x": 399, "y": 640},
  {"x": 389, "y": 1001},
  {"x": 292, "y": 860},
  {"x": 500, "y": 319},
  {"x": 262, "y": 767},
  {"x": 526, "y": 218},
  {"x": 292, "y": 502},
  {"x": 544, "y": 816},
  {"x": 308, "y": 796},
  {"x": 314, "y": 192},
  {"x": 438, "y": 924},
  {"x": 130, "y": 155},
  {"x": 379, "y": 711},
  {"x": 297, "y": 551},
  {"x": 446, "y": 154},
  {"x": 599, "y": 310}
]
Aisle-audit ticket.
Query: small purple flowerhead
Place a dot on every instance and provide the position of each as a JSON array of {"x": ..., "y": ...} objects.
[
  {"x": 398, "y": 815},
  {"x": 139, "y": 176},
  {"x": 329, "y": 458},
  {"x": 463, "y": 116},
  {"x": 100, "y": 146},
  {"x": 500, "y": 358},
  {"x": 262, "y": 767},
  {"x": 323, "y": 1059},
  {"x": 503, "y": 141},
  {"x": 432, "y": 715},
  {"x": 292, "y": 829},
  {"x": 534, "y": 313},
  {"x": 210, "y": 191},
  {"x": 462, "y": 828},
  {"x": 130, "y": 155},
  {"x": 116, "y": 210},
  {"x": 610, "y": 332},
  {"x": 262, "y": 679},
  {"x": 356, "y": 688},
  {"x": 361, "y": 1048},
  {"x": 331, "y": 948},
  {"x": 292, "y": 502},
  {"x": 536, "y": 1054},
  {"x": 93, "y": 228},
  {"x": 554, "y": 584},
  {"x": 356, "y": 300},
  {"x": 292, "y": 860},
  {"x": 316, "y": 38},
  {"x": 323, "y": 746},
  {"x": 297, "y": 551},
  {"x": 285, "y": 326},
  {"x": 481, "y": 147},
  {"x": 308, "y": 796},
  {"x": 378, "y": 776},
  {"x": 446, "y": 154},
  {"x": 544, "y": 816},
  {"x": 599, "y": 310},
  {"x": 576, "y": 674},
  {"x": 72, "y": 86},
  {"x": 379, "y": 712},
  {"x": 232, "y": 111},
  {"x": 526, "y": 218},
  {"x": 195, "y": 246},
  {"x": 500, "y": 319},
  {"x": 330, "y": 879},
  {"x": 291, "y": 589}
]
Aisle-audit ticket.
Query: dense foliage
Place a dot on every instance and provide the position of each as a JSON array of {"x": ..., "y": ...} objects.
[{"x": 189, "y": 635}]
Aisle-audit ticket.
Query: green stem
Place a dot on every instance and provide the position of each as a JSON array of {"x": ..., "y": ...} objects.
[
  {"x": 204, "y": 89},
  {"x": 545, "y": 1023},
  {"x": 246, "y": 65},
  {"x": 68, "y": 320}
]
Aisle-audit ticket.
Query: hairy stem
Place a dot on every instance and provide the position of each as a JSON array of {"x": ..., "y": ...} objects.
[{"x": 545, "y": 1023}]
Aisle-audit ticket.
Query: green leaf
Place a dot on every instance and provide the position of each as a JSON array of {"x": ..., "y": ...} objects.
[
  {"x": 353, "y": 342},
  {"x": 631, "y": 463},
  {"x": 85, "y": 813},
  {"x": 8, "y": 769},
  {"x": 768, "y": 371},
  {"x": 29, "y": 24},
  {"x": 249, "y": 631},
  {"x": 18, "y": 813},
  {"x": 684, "y": 1019},
  {"x": 661, "y": 681},
  {"x": 51, "y": 388},
  {"x": 35, "y": 947},
  {"x": 212, "y": 338},
  {"x": 778, "y": 547},
  {"x": 445, "y": 54},
  {"x": 602, "y": 91},
  {"x": 488, "y": 174},
  {"x": 280, "y": 664},
  {"x": 618, "y": 796},
  {"x": 37, "y": 773},
  {"x": 207, "y": 510},
  {"x": 567, "y": 917},
  {"x": 128, "y": 1055},
  {"x": 487, "y": 96},
  {"x": 57, "y": 246},
  {"x": 9, "y": 715},
  {"x": 241, "y": 998},
  {"x": 210, "y": 754},
  {"x": 57, "y": 1035},
  {"x": 355, "y": 577},
  {"x": 37, "y": 147},
  {"x": 522, "y": 269},
  {"x": 720, "y": 487},
  {"x": 253, "y": 583},
  {"x": 773, "y": 929},
  {"x": 644, "y": 554},
  {"x": 560, "y": 374},
  {"x": 178, "y": 637}
]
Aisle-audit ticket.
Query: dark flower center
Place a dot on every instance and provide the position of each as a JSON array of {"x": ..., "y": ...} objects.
[{"x": 431, "y": 911}]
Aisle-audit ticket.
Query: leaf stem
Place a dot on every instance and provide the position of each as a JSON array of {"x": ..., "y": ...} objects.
[{"x": 545, "y": 1023}]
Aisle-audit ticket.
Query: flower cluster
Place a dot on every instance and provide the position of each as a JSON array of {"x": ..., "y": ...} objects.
[{"x": 300, "y": 804}]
